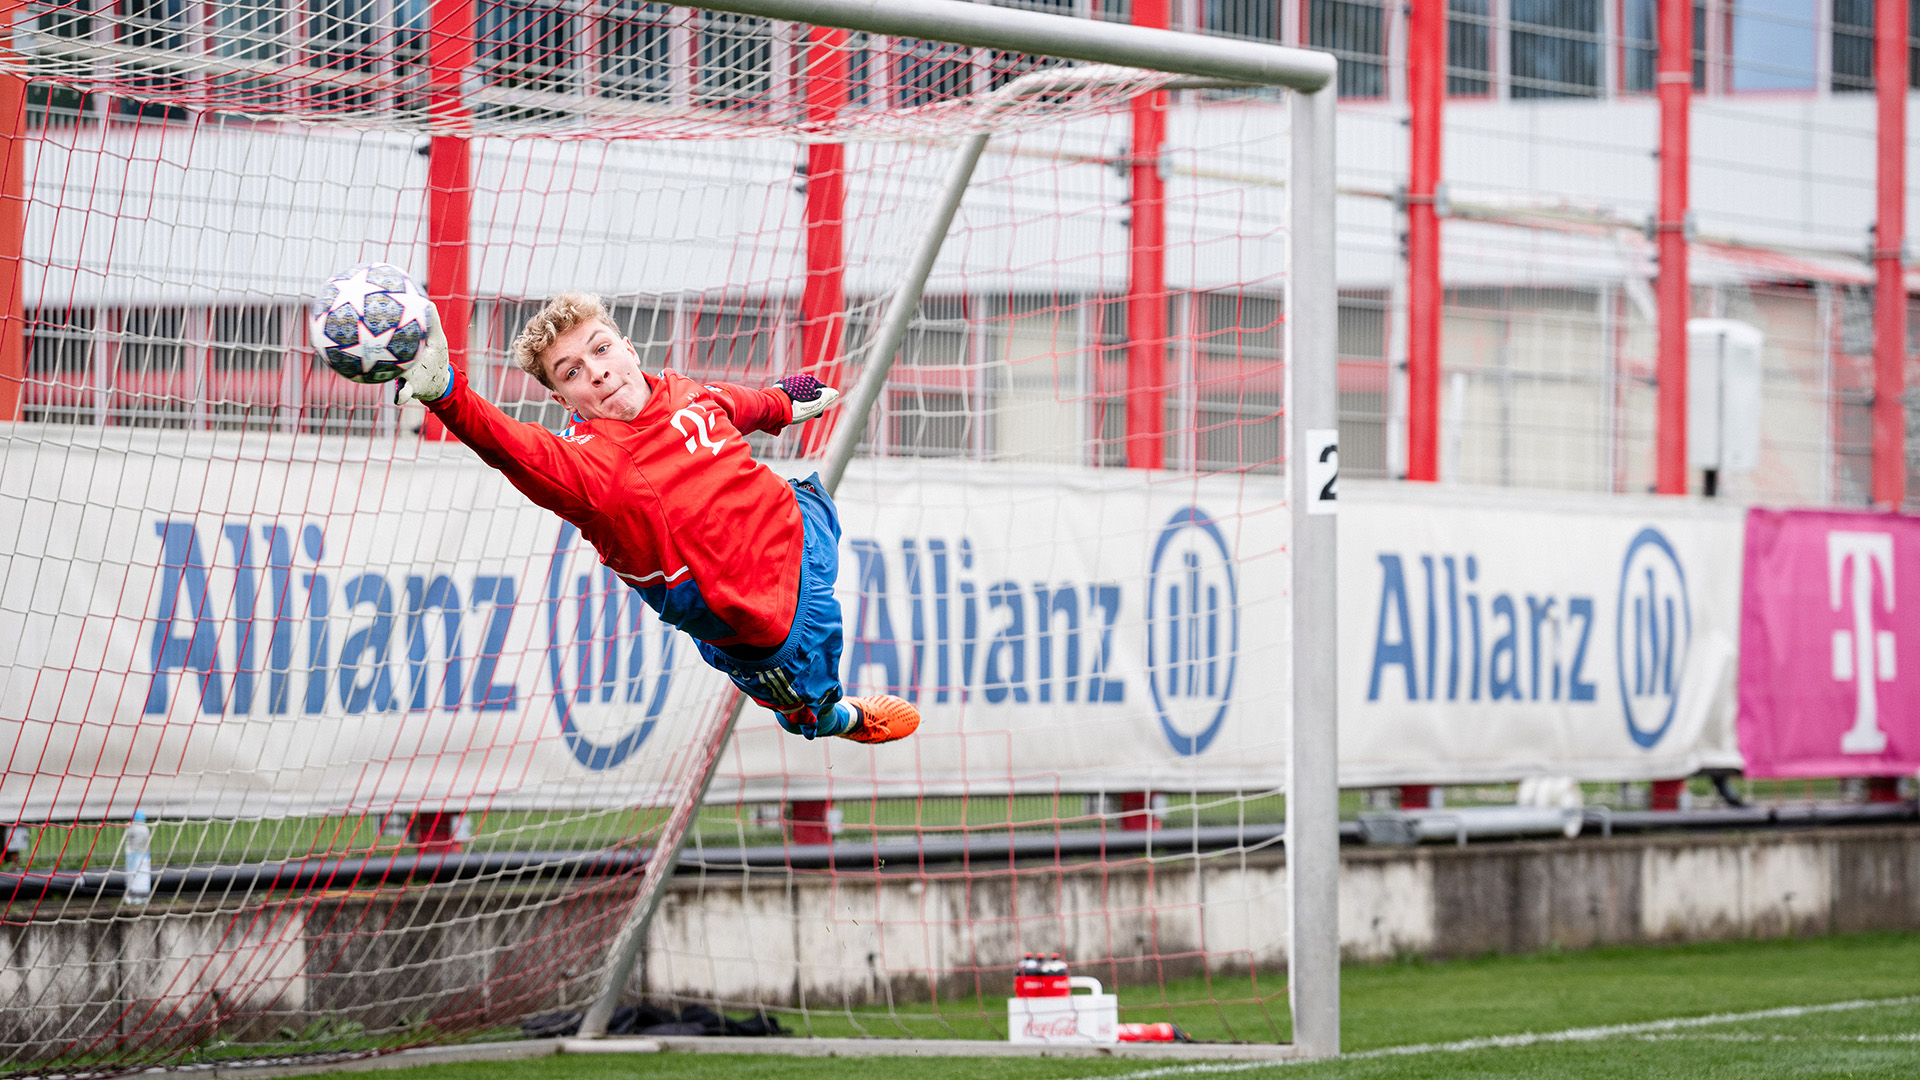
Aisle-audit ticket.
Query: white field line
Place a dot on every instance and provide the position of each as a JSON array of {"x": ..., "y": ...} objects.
[
  {"x": 1756, "y": 1037},
  {"x": 1649, "y": 1028}
]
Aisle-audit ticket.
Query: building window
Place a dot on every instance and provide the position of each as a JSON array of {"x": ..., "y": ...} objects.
[
  {"x": 1640, "y": 45},
  {"x": 736, "y": 61},
  {"x": 1853, "y": 44},
  {"x": 246, "y": 338},
  {"x": 928, "y": 71},
  {"x": 341, "y": 36},
  {"x": 527, "y": 46},
  {"x": 635, "y": 50},
  {"x": 59, "y": 341},
  {"x": 730, "y": 345},
  {"x": 650, "y": 329},
  {"x": 1555, "y": 48},
  {"x": 248, "y": 29},
  {"x": 151, "y": 24},
  {"x": 1258, "y": 20},
  {"x": 151, "y": 341},
  {"x": 1469, "y": 48},
  {"x": 51, "y": 103},
  {"x": 1771, "y": 45},
  {"x": 1363, "y": 379},
  {"x": 1354, "y": 31},
  {"x": 1238, "y": 376},
  {"x": 929, "y": 423},
  {"x": 861, "y": 70}
]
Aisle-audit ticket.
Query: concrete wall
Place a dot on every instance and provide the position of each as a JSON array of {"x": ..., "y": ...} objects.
[
  {"x": 858, "y": 937},
  {"x": 87, "y": 977}
]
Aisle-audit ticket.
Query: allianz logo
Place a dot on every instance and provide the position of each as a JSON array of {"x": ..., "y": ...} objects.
[
  {"x": 1193, "y": 630},
  {"x": 1449, "y": 627},
  {"x": 609, "y": 657}
]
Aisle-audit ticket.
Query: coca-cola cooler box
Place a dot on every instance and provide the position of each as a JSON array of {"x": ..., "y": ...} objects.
[{"x": 1076, "y": 1019}]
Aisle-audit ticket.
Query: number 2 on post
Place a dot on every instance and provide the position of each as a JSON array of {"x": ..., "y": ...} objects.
[{"x": 1323, "y": 470}]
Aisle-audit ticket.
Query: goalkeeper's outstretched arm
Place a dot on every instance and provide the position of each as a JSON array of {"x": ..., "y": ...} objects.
[{"x": 555, "y": 473}]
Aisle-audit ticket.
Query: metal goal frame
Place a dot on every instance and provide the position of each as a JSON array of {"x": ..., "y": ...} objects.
[{"x": 1312, "y": 786}]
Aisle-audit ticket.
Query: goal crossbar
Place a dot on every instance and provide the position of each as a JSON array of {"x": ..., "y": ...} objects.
[{"x": 985, "y": 26}]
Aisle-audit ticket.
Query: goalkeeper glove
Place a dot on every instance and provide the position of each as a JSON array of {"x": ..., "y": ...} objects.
[
  {"x": 430, "y": 375},
  {"x": 809, "y": 396}
]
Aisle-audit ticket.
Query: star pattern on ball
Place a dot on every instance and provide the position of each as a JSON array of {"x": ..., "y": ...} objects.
[
  {"x": 415, "y": 308},
  {"x": 354, "y": 289},
  {"x": 370, "y": 347}
]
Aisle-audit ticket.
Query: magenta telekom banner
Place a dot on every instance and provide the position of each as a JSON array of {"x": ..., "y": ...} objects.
[{"x": 1829, "y": 644}]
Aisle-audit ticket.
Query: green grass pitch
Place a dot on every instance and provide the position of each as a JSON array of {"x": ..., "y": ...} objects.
[{"x": 1845, "y": 1006}]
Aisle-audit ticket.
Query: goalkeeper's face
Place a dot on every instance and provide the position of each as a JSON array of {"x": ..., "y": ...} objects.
[{"x": 595, "y": 372}]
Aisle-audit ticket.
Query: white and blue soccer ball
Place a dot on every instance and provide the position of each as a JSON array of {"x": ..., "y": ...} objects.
[{"x": 369, "y": 322}]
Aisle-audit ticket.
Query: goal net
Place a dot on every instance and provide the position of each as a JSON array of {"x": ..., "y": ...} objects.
[{"x": 411, "y": 762}]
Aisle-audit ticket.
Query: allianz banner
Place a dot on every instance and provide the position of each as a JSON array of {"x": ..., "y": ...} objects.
[
  {"x": 1489, "y": 636},
  {"x": 1060, "y": 630},
  {"x": 1830, "y": 659},
  {"x": 230, "y": 625}
]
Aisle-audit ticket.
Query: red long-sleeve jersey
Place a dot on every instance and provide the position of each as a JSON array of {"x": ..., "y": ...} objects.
[{"x": 673, "y": 501}]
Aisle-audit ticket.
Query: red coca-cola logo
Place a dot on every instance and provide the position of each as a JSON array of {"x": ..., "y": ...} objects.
[
  {"x": 1029, "y": 986},
  {"x": 1056, "y": 1028}
]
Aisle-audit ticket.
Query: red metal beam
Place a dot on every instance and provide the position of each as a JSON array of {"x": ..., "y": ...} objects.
[
  {"x": 1889, "y": 237},
  {"x": 1675, "y": 298},
  {"x": 450, "y": 55},
  {"x": 1426, "y": 96},
  {"x": 13, "y": 228},
  {"x": 1147, "y": 271},
  {"x": 823, "y": 301}
]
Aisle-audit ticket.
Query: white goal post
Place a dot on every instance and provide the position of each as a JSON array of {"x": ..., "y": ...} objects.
[{"x": 1312, "y": 805}]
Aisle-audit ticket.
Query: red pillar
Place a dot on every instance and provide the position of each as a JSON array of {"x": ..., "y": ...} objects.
[
  {"x": 1136, "y": 811},
  {"x": 1416, "y": 796},
  {"x": 808, "y": 821},
  {"x": 1665, "y": 794},
  {"x": 1147, "y": 274},
  {"x": 1675, "y": 299},
  {"x": 13, "y": 227},
  {"x": 1889, "y": 236},
  {"x": 1674, "y": 294},
  {"x": 1426, "y": 96},
  {"x": 434, "y": 833},
  {"x": 450, "y": 55},
  {"x": 823, "y": 300}
]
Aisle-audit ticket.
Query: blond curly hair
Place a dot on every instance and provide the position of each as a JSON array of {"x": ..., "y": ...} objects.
[{"x": 561, "y": 314}]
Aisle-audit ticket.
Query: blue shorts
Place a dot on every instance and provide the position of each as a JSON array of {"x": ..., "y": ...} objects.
[{"x": 804, "y": 675}]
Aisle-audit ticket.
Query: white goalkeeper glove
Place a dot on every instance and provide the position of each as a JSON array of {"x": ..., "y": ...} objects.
[
  {"x": 809, "y": 395},
  {"x": 430, "y": 375}
]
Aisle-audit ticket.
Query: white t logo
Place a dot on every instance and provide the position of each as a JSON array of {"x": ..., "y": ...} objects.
[
  {"x": 699, "y": 436},
  {"x": 1862, "y": 656}
]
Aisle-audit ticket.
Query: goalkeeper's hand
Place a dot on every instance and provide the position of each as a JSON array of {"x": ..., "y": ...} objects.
[
  {"x": 809, "y": 396},
  {"x": 430, "y": 375}
]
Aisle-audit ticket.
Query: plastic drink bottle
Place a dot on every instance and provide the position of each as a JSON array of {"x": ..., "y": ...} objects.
[
  {"x": 1150, "y": 1033},
  {"x": 1026, "y": 977},
  {"x": 137, "y": 855},
  {"x": 1041, "y": 976}
]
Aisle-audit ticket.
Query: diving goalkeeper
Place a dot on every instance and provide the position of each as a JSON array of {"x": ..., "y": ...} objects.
[{"x": 656, "y": 474}]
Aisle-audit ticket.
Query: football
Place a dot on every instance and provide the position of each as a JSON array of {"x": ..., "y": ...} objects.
[{"x": 370, "y": 321}]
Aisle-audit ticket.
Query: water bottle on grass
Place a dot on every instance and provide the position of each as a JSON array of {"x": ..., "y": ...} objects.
[{"x": 136, "y": 853}]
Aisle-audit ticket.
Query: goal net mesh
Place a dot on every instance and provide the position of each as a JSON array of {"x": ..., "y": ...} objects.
[{"x": 405, "y": 750}]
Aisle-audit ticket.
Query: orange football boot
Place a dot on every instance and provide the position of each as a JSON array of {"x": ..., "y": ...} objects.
[{"x": 883, "y": 718}]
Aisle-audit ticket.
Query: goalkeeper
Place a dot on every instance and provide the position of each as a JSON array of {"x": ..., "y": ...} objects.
[{"x": 656, "y": 474}]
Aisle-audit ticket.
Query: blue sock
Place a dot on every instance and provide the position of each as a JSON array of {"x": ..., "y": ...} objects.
[{"x": 841, "y": 720}]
